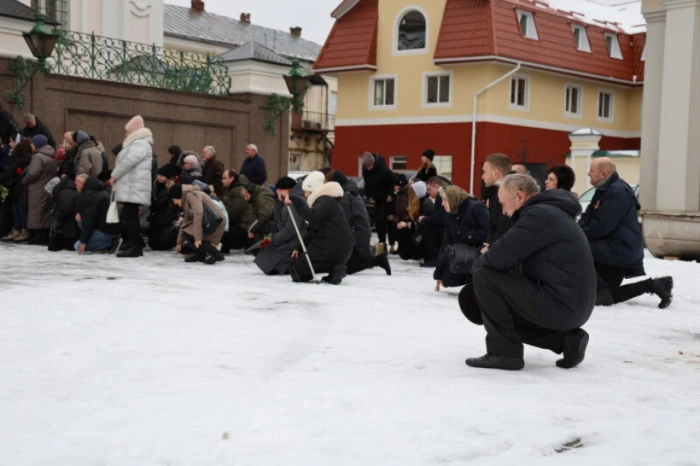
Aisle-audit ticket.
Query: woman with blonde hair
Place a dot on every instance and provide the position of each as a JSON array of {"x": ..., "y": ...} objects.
[{"x": 409, "y": 208}]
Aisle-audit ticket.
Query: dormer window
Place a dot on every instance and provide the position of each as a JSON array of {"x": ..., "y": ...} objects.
[
  {"x": 527, "y": 24},
  {"x": 613, "y": 46},
  {"x": 412, "y": 29},
  {"x": 581, "y": 38}
]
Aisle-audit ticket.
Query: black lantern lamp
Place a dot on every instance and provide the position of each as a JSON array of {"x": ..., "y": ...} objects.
[{"x": 297, "y": 84}]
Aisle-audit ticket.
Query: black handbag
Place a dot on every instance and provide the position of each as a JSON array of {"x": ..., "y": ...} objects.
[
  {"x": 210, "y": 220},
  {"x": 461, "y": 257},
  {"x": 417, "y": 238}
]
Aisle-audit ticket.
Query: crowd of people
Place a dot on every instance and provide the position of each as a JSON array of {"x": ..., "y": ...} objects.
[{"x": 531, "y": 265}]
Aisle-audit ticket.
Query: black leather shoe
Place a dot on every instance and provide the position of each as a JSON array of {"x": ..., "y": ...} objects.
[
  {"x": 604, "y": 297},
  {"x": 575, "y": 344},
  {"x": 131, "y": 252},
  {"x": 211, "y": 254},
  {"x": 663, "y": 288},
  {"x": 491, "y": 361},
  {"x": 383, "y": 262},
  {"x": 336, "y": 276}
]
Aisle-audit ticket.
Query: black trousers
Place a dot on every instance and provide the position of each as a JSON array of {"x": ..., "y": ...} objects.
[
  {"x": 131, "y": 224},
  {"x": 611, "y": 277},
  {"x": 432, "y": 240},
  {"x": 380, "y": 218},
  {"x": 301, "y": 264},
  {"x": 358, "y": 263},
  {"x": 510, "y": 317},
  {"x": 235, "y": 238}
]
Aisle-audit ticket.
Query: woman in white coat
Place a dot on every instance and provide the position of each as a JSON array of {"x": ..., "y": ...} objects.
[{"x": 131, "y": 179}]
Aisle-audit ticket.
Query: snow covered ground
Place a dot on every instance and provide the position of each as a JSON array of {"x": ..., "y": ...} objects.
[{"x": 118, "y": 362}]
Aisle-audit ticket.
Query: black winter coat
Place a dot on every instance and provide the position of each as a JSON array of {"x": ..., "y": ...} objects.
[
  {"x": 213, "y": 173},
  {"x": 356, "y": 211},
  {"x": 551, "y": 251},
  {"x": 92, "y": 205},
  {"x": 331, "y": 240},
  {"x": 65, "y": 204},
  {"x": 379, "y": 181},
  {"x": 500, "y": 223},
  {"x": 436, "y": 218},
  {"x": 278, "y": 256},
  {"x": 425, "y": 174},
  {"x": 611, "y": 225},
  {"x": 255, "y": 170},
  {"x": 10, "y": 178},
  {"x": 8, "y": 127},
  {"x": 39, "y": 128}
]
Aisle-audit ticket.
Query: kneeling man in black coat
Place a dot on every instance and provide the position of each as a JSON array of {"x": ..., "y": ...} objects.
[{"x": 536, "y": 284}]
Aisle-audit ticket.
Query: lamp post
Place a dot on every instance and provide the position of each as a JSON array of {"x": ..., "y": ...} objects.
[
  {"x": 297, "y": 84},
  {"x": 41, "y": 40}
]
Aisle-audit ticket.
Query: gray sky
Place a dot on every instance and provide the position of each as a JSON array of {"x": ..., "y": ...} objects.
[{"x": 278, "y": 14}]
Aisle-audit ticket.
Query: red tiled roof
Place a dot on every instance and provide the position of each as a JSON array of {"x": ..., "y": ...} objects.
[
  {"x": 352, "y": 42},
  {"x": 466, "y": 25},
  {"x": 638, "y": 43}
]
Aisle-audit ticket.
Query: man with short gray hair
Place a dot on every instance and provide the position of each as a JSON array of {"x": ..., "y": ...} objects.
[
  {"x": 34, "y": 126},
  {"x": 213, "y": 170},
  {"x": 254, "y": 166},
  {"x": 536, "y": 284}
]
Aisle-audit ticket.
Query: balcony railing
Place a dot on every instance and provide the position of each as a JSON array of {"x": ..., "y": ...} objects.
[
  {"x": 102, "y": 58},
  {"x": 313, "y": 122}
]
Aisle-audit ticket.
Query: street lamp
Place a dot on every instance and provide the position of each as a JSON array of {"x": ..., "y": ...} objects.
[
  {"x": 41, "y": 40},
  {"x": 297, "y": 84}
]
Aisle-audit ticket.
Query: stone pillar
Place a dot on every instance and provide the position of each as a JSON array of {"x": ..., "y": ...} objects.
[
  {"x": 651, "y": 106},
  {"x": 678, "y": 185},
  {"x": 584, "y": 142}
]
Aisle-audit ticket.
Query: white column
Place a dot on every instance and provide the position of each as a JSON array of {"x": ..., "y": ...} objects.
[
  {"x": 678, "y": 185},
  {"x": 651, "y": 107},
  {"x": 584, "y": 143}
]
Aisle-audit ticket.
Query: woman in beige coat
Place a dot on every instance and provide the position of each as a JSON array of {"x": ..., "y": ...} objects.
[{"x": 192, "y": 202}]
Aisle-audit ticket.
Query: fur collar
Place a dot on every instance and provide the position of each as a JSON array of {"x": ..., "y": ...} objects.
[
  {"x": 143, "y": 133},
  {"x": 331, "y": 189}
]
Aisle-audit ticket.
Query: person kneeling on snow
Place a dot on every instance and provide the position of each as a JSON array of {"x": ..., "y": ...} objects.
[
  {"x": 331, "y": 242},
  {"x": 193, "y": 203},
  {"x": 92, "y": 205},
  {"x": 552, "y": 294}
]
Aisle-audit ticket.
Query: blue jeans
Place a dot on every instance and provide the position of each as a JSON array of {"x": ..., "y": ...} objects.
[
  {"x": 99, "y": 241},
  {"x": 19, "y": 212}
]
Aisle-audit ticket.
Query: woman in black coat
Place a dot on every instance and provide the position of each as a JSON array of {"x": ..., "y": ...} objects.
[
  {"x": 427, "y": 169},
  {"x": 331, "y": 240},
  {"x": 20, "y": 157},
  {"x": 466, "y": 222}
]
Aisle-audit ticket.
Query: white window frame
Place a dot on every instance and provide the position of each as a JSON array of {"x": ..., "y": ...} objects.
[
  {"x": 334, "y": 102},
  {"x": 393, "y": 158},
  {"x": 614, "y": 51},
  {"x": 531, "y": 27},
  {"x": 383, "y": 77},
  {"x": 579, "y": 104},
  {"x": 611, "y": 118},
  {"x": 584, "y": 44},
  {"x": 397, "y": 23},
  {"x": 515, "y": 106},
  {"x": 438, "y": 74}
]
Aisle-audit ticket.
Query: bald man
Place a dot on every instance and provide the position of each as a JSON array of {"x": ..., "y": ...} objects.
[{"x": 612, "y": 227}]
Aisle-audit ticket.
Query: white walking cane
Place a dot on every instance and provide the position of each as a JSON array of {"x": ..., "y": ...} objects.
[{"x": 303, "y": 246}]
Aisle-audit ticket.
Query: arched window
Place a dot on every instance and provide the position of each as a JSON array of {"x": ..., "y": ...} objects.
[{"x": 412, "y": 31}]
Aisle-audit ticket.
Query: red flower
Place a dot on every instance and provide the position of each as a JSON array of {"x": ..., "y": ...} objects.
[{"x": 18, "y": 171}]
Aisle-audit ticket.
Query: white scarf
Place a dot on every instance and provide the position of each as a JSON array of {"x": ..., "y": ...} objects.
[{"x": 142, "y": 133}]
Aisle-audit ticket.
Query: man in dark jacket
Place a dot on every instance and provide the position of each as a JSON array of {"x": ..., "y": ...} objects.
[
  {"x": 8, "y": 127},
  {"x": 553, "y": 293},
  {"x": 331, "y": 241},
  {"x": 34, "y": 126},
  {"x": 611, "y": 225},
  {"x": 64, "y": 231},
  {"x": 213, "y": 170},
  {"x": 495, "y": 168},
  {"x": 240, "y": 211},
  {"x": 92, "y": 206},
  {"x": 356, "y": 212},
  {"x": 254, "y": 166},
  {"x": 432, "y": 225},
  {"x": 164, "y": 215},
  {"x": 379, "y": 186}
]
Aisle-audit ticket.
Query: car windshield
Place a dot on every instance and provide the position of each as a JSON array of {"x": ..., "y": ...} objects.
[{"x": 587, "y": 196}]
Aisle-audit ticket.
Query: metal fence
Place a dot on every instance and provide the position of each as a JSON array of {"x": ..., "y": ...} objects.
[{"x": 106, "y": 59}]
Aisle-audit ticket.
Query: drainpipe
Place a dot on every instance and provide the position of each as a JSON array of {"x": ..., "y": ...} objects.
[{"x": 476, "y": 97}]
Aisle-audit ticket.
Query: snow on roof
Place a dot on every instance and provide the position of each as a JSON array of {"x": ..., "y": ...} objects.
[
  {"x": 585, "y": 132},
  {"x": 621, "y": 15}
]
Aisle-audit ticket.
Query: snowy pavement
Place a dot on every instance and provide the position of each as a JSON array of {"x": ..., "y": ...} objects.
[{"x": 122, "y": 362}]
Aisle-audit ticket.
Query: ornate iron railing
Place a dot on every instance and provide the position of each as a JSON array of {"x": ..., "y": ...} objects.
[{"x": 102, "y": 58}]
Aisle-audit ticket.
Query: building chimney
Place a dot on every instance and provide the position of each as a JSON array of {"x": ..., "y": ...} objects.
[
  {"x": 295, "y": 31},
  {"x": 197, "y": 5},
  {"x": 245, "y": 18}
]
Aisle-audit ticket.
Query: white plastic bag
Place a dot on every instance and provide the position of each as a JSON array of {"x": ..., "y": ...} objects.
[{"x": 113, "y": 211}]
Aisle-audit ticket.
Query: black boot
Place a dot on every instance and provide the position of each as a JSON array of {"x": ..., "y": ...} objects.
[
  {"x": 491, "y": 361},
  {"x": 663, "y": 288},
  {"x": 198, "y": 256},
  {"x": 133, "y": 251},
  {"x": 337, "y": 274},
  {"x": 574, "y": 348},
  {"x": 211, "y": 254},
  {"x": 604, "y": 297},
  {"x": 294, "y": 273},
  {"x": 383, "y": 262}
]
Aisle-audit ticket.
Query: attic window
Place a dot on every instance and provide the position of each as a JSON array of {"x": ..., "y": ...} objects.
[
  {"x": 527, "y": 24},
  {"x": 613, "y": 46},
  {"x": 412, "y": 31},
  {"x": 581, "y": 38}
]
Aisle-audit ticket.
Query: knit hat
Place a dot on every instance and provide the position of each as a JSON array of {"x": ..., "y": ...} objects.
[
  {"x": 400, "y": 180},
  {"x": 175, "y": 192},
  {"x": 429, "y": 154},
  {"x": 135, "y": 124},
  {"x": 167, "y": 171},
  {"x": 455, "y": 197},
  {"x": 175, "y": 150},
  {"x": 285, "y": 183},
  {"x": 314, "y": 181},
  {"x": 80, "y": 137},
  {"x": 39, "y": 141},
  {"x": 420, "y": 189}
]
